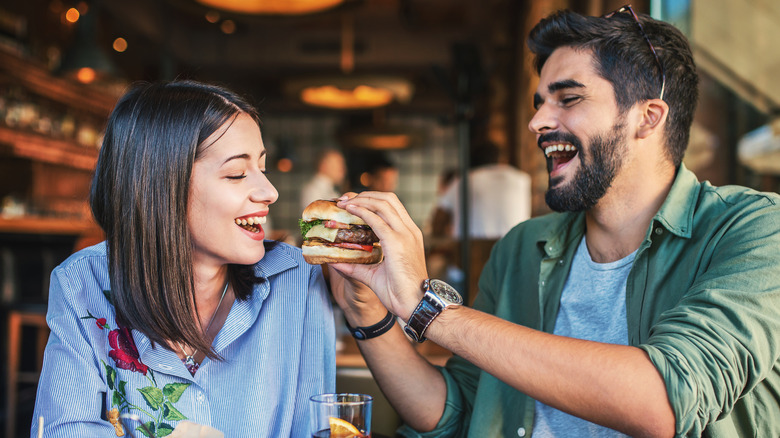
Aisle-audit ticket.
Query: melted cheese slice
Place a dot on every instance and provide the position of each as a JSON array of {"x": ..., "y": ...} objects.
[{"x": 320, "y": 231}]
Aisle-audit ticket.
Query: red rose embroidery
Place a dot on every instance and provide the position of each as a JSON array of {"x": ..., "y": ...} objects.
[
  {"x": 123, "y": 351},
  {"x": 101, "y": 322}
]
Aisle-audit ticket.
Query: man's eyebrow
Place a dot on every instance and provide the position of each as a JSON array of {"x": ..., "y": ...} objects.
[
  {"x": 561, "y": 85},
  {"x": 557, "y": 86}
]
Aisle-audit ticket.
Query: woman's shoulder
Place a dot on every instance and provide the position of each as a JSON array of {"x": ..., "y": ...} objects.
[
  {"x": 85, "y": 271},
  {"x": 89, "y": 258}
]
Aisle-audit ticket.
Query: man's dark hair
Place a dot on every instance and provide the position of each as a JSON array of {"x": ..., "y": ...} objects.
[
  {"x": 139, "y": 197},
  {"x": 623, "y": 58}
]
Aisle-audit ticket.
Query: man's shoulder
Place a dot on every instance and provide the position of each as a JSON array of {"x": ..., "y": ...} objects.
[
  {"x": 734, "y": 201},
  {"x": 734, "y": 195}
]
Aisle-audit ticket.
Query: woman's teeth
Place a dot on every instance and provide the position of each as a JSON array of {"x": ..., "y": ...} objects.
[
  {"x": 248, "y": 223},
  {"x": 559, "y": 148},
  {"x": 256, "y": 220}
]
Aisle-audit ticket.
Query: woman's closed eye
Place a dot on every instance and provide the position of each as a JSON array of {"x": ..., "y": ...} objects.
[{"x": 236, "y": 177}]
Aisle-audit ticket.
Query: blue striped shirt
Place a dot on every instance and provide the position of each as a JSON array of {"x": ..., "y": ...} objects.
[{"x": 278, "y": 347}]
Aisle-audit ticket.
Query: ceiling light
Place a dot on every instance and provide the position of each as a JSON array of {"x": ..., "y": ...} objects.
[
  {"x": 382, "y": 137},
  {"x": 351, "y": 91},
  {"x": 85, "y": 60},
  {"x": 273, "y": 7}
]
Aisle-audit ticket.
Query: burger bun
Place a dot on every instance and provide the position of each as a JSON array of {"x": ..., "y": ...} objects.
[
  {"x": 326, "y": 210},
  {"x": 317, "y": 253}
]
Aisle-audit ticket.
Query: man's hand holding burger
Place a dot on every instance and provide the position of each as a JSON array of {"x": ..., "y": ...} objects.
[{"x": 396, "y": 281}]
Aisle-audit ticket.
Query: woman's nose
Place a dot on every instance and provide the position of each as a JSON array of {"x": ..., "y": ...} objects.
[{"x": 264, "y": 191}]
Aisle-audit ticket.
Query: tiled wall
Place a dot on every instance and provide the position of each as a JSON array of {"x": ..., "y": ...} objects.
[{"x": 301, "y": 137}]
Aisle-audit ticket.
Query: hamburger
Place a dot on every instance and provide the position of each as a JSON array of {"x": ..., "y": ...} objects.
[{"x": 332, "y": 235}]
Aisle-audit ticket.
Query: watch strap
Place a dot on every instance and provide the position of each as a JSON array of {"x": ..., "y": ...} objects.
[
  {"x": 372, "y": 331},
  {"x": 422, "y": 316}
]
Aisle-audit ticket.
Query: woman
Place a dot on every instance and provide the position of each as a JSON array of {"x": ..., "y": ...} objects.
[{"x": 183, "y": 313}]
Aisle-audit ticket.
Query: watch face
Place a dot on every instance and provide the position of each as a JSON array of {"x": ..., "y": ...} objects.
[{"x": 446, "y": 292}]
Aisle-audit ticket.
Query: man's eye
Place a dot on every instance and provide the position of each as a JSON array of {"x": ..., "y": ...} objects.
[
  {"x": 566, "y": 101},
  {"x": 242, "y": 176}
]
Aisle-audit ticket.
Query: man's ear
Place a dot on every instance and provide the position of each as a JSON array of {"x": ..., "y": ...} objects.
[{"x": 654, "y": 113}]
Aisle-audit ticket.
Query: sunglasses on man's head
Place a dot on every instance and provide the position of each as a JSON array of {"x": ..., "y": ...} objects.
[{"x": 629, "y": 10}]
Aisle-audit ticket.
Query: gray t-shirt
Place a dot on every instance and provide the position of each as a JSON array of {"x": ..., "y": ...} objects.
[{"x": 593, "y": 307}]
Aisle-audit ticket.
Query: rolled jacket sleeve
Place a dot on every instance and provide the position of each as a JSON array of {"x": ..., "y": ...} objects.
[{"x": 723, "y": 337}]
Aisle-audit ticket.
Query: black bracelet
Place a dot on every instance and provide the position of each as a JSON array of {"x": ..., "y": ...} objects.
[{"x": 363, "y": 333}]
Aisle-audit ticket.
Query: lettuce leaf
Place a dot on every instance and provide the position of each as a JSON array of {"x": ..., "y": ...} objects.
[{"x": 306, "y": 226}]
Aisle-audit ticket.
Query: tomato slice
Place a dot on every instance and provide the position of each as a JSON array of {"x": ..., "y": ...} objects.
[
  {"x": 334, "y": 224},
  {"x": 368, "y": 248}
]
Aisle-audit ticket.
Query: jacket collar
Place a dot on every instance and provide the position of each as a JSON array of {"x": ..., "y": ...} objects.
[{"x": 675, "y": 214}]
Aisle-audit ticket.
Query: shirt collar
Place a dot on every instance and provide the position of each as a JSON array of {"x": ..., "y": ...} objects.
[
  {"x": 562, "y": 230},
  {"x": 276, "y": 260},
  {"x": 676, "y": 213}
]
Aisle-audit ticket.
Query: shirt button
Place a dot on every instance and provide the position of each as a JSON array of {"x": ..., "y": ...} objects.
[
  {"x": 659, "y": 231},
  {"x": 521, "y": 431},
  {"x": 542, "y": 282},
  {"x": 560, "y": 262},
  {"x": 200, "y": 397}
]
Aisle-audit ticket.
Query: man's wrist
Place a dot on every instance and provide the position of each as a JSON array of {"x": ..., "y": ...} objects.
[{"x": 411, "y": 302}]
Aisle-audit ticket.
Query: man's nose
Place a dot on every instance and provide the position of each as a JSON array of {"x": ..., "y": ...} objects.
[{"x": 544, "y": 120}]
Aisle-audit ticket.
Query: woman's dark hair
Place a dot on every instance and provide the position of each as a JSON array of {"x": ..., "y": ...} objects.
[
  {"x": 623, "y": 58},
  {"x": 139, "y": 197}
]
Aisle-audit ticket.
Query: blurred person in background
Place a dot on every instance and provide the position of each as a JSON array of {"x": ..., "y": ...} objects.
[
  {"x": 499, "y": 197},
  {"x": 185, "y": 301},
  {"x": 328, "y": 180},
  {"x": 382, "y": 174}
]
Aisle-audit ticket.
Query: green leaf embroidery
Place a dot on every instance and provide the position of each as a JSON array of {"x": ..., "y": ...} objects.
[
  {"x": 121, "y": 387},
  {"x": 116, "y": 400},
  {"x": 172, "y": 414},
  {"x": 149, "y": 425},
  {"x": 110, "y": 376},
  {"x": 164, "y": 429},
  {"x": 153, "y": 397},
  {"x": 174, "y": 391}
]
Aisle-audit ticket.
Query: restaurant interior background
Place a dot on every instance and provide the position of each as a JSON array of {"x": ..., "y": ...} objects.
[{"x": 445, "y": 72}]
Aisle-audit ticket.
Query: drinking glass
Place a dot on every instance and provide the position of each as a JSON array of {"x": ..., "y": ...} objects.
[{"x": 341, "y": 415}]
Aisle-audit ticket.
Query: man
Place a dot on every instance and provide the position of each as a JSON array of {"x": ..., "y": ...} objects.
[
  {"x": 331, "y": 172},
  {"x": 649, "y": 305},
  {"x": 492, "y": 212}
]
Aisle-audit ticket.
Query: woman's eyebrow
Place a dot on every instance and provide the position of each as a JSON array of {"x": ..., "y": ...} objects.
[{"x": 242, "y": 157}]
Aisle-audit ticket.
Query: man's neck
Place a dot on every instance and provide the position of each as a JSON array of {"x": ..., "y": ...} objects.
[{"x": 617, "y": 225}]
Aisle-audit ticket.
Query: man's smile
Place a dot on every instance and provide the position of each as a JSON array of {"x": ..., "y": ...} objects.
[{"x": 558, "y": 154}]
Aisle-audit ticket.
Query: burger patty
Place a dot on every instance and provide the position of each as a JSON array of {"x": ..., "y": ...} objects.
[{"x": 360, "y": 236}]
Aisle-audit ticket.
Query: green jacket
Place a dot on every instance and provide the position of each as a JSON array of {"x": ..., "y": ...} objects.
[{"x": 702, "y": 299}]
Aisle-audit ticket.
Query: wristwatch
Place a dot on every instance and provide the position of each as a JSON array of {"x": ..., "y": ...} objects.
[{"x": 438, "y": 296}]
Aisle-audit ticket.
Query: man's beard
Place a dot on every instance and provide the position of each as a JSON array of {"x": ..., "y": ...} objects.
[{"x": 599, "y": 164}]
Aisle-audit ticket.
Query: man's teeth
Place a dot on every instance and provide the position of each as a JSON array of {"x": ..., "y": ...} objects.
[
  {"x": 558, "y": 148},
  {"x": 256, "y": 220}
]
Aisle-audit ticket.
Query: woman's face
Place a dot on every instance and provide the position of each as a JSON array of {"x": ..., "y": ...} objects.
[{"x": 229, "y": 196}]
